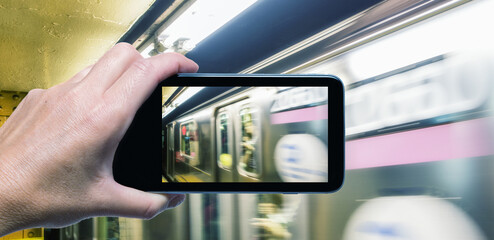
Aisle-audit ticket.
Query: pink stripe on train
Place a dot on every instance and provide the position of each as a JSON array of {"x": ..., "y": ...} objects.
[
  {"x": 301, "y": 115},
  {"x": 472, "y": 138}
]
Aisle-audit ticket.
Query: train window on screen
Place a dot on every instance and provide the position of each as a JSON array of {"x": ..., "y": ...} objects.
[
  {"x": 249, "y": 163},
  {"x": 189, "y": 142},
  {"x": 224, "y": 141}
]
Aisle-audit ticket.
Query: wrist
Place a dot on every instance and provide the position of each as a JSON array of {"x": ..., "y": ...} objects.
[
  {"x": 7, "y": 223},
  {"x": 11, "y": 209}
]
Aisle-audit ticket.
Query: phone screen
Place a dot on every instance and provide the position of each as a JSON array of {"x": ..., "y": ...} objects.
[
  {"x": 237, "y": 133},
  {"x": 249, "y": 134}
]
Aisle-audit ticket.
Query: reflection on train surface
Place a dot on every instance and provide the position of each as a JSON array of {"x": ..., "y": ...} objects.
[
  {"x": 249, "y": 134},
  {"x": 420, "y": 133}
]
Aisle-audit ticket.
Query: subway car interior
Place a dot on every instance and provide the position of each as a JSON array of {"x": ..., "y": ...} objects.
[{"x": 419, "y": 145}]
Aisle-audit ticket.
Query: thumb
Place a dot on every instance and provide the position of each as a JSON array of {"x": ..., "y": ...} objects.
[{"x": 130, "y": 202}]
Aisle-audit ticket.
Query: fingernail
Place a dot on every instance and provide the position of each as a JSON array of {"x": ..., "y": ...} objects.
[{"x": 175, "y": 201}]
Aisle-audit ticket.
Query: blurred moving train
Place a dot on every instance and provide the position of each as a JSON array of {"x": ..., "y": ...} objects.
[
  {"x": 268, "y": 134},
  {"x": 419, "y": 127},
  {"x": 420, "y": 133}
]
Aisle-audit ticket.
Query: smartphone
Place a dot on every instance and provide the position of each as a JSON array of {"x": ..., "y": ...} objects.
[{"x": 229, "y": 133}]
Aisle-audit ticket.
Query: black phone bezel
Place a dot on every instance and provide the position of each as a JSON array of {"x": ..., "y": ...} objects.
[{"x": 135, "y": 162}]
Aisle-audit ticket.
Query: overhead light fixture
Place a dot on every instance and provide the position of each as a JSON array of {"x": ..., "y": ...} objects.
[
  {"x": 184, "y": 96},
  {"x": 196, "y": 23},
  {"x": 148, "y": 51}
]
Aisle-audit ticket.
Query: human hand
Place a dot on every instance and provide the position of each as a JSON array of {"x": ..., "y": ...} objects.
[{"x": 57, "y": 148}]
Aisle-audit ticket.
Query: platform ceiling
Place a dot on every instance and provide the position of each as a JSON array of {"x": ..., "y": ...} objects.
[{"x": 43, "y": 43}]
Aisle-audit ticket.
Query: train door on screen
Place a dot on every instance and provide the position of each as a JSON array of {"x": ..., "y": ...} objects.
[
  {"x": 238, "y": 143},
  {"x": 248, "y": 139},
  {"x": 187, "y": 161},
  {"x": 224, "y": 145}
]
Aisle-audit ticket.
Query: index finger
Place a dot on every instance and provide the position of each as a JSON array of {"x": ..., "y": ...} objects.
[{"x": 144, "y": 75}]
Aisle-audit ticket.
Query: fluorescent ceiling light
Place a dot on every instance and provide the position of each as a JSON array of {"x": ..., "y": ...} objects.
[
  {"x": 184, "y": 96},
  {"x": 200, "y": 20}
]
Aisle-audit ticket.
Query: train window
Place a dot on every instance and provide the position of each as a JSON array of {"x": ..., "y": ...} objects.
[
  {"x": 189, "y": 142},
  {"x": 224, "y": 140},
  {"x": 249, "y": 163}
]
